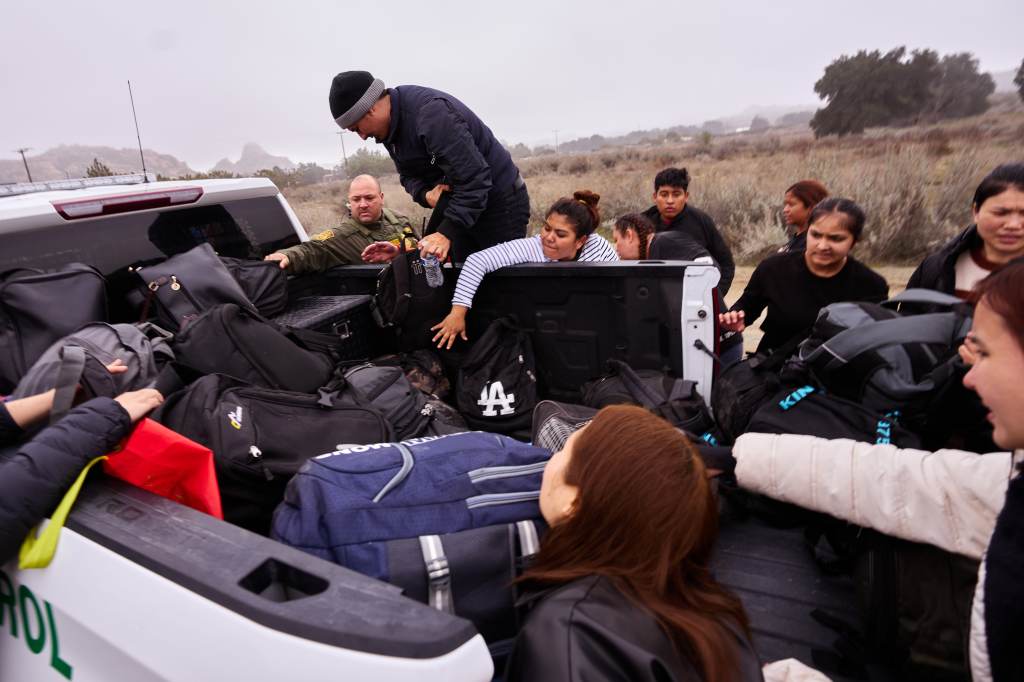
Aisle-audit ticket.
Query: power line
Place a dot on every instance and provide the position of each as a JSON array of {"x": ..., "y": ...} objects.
[{"x": 24, "y": 161}]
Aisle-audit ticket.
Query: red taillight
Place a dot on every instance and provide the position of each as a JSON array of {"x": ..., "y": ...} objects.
[{"x": 123, "y": 203}]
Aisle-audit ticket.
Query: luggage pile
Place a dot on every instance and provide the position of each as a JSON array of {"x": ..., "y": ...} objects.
[{"x": 337, "y": 430}]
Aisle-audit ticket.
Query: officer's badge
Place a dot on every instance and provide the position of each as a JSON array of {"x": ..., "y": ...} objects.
[{"x": 323, "y": 236}]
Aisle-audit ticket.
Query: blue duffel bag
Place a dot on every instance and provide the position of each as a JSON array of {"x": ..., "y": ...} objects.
[{"x": 345, "y": 506}]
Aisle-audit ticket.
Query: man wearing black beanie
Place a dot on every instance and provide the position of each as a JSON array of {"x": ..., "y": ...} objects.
[{"x": 446, "y": 157}]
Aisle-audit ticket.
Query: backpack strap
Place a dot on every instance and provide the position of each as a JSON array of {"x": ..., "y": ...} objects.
[
  {"x": 529, "y": 540},
  {"x": 636, "y": 387},
  {"x": 848, "y": 344},
  {"x": 439, "y": 579},
  {"x": 72, "y": 367},
  {"x": 924, "y": 296},
  {"x": 403, "y": 473}
]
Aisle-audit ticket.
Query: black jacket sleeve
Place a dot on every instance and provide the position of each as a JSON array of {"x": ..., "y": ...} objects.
[
  {"x": 721, "y": 253},
  {"x": 35, "y": 478},
  {"x": 448, "y": 139},
  {"x": 754, "y": 299},
  {"x": 9, "y": 429}
]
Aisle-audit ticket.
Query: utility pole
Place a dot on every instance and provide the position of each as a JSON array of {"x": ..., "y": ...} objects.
[
  {"x": 344, "y": 156},
  {"x": 22, "y": 152},
  {"x": 556, "y": 141}
]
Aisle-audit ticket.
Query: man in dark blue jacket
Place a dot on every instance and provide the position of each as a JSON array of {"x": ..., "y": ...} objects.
[{"x": 439, "y": 147}]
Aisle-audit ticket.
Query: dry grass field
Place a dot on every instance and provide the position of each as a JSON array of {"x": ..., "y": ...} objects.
[{"x": 914, "y": 183}]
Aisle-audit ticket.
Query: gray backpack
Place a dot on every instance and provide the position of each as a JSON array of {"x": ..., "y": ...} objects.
[
  {"x": 884, "y": 360},
  {"x": 78, "y": 361}
]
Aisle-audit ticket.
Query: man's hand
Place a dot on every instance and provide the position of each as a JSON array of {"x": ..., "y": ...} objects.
[
  {"x": 732, "y": 321},
  {"x": 436, "y": 244},
  {"x": 450, "y": 327},
  {"x": 139, "y": 403},
  {"x": 281, "y": 259},
  {"x": 379, "y": 252},
  {"x": 434, "y": 195}
]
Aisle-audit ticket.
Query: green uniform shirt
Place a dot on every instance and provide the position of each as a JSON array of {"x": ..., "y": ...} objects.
[{"x": 343, "y": 245}]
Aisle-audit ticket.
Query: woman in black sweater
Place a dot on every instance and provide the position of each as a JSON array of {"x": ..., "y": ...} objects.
[{"x": 795, "y": 286}]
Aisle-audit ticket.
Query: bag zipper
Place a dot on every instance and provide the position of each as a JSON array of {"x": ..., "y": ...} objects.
[
  {"x": 495, "y": 499},
  {"x": 492, "y": 473}
]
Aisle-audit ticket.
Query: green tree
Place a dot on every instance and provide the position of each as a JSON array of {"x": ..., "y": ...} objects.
[
  {"x": 365, "y": 162},
  {"x": 278, "y": 176},
  {"x": 1019, "y": 80},
  {"x": 308, "y": 174},
  {"x": 959, "y": 90},
  {"x": 872, "y": 89},
  {"x": 98, "y": 169},
  {"x": 759, "y": 123}
]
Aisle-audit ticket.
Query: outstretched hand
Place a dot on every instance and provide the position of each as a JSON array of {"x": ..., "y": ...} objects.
[
  {"x": 140, "y": 403},
  {"x": 732, "y": 321},
  {"x": 452, "y": 326},
  {"x": 379, "y": 252}
]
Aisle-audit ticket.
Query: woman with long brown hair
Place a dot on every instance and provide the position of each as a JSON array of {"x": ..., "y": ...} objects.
[{"x": 621, "y": 586}]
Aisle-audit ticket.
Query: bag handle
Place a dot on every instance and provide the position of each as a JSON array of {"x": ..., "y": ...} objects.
[
  {"x": 632, "y": 382},
  {"x": 72, "y": 367},
  {"x": 37, "y": 551},
  {"x": 439, "y": 577},
  {"x": 848, "y": 344}
]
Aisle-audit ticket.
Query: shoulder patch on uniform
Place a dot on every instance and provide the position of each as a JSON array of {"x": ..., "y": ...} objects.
[{"x": 322, "y": 236}]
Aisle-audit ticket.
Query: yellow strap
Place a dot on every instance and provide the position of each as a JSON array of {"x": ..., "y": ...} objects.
[{"x": 37, "y": 551}]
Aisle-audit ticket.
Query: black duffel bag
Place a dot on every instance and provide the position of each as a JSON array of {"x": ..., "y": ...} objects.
[
  {"x": 264, "y": 283},
  {"x": 675, "y": 400},
  {"x": 497, "y": 382},
  {"x": 261, "y": 437},
  {"x": 232, "y": 340},
  {"x": 38, "y": 308},
  {"x": 182, "y": 287}
]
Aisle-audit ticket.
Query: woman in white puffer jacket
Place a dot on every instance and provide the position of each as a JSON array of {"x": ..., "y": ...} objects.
[{"x": 962, "y": 502}]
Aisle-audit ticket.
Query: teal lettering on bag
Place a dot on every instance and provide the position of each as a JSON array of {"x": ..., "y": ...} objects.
[
  {"x": 38, "y": 630},
  {"x": 795, "y": 397}
]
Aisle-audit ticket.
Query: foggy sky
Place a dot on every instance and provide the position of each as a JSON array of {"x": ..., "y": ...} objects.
[{"x": 211, "y": 76}]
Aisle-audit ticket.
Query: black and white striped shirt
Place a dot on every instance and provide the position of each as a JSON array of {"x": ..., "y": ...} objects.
[{"x": 526, "y": 250}]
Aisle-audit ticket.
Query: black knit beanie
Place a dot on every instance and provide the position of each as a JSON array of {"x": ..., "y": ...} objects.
[{"x": 353, "y": 93}]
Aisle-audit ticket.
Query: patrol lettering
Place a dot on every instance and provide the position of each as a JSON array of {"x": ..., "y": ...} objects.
[{"x": 37, "y": 623}]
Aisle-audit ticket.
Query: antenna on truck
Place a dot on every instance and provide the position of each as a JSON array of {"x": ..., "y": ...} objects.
[{"x": 137, "y": 136}]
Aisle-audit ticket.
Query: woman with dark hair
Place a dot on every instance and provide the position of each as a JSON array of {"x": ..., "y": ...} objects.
[
  {"x": 794, "y": 286},
  {"x": 995, "y": 238},
  {"x": 962, "y": 502},
  {"x": 797, "y": 203},
  {"x": 568, "y": 234},
  {"x": 621, "y": 588}
]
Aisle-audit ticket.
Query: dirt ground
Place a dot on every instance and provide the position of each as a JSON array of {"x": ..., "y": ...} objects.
[{"x": 896, "y": 276}]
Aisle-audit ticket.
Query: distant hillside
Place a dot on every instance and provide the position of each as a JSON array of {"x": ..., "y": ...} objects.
[
  {"x": 254, "y": 158},
  {"x": 70, "y": 161}
]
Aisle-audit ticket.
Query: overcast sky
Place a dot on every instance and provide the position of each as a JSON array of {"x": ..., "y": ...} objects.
[{"x": 210, "y": 76}]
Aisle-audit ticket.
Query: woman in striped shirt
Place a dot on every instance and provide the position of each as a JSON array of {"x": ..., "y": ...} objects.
[{"x": 567, "y": 235}]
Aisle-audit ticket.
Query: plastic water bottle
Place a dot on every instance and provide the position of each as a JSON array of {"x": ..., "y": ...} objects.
[{"x": 432, "y": 268}]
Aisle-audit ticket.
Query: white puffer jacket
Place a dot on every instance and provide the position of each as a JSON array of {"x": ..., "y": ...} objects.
[{"x": 948, "y": 498}]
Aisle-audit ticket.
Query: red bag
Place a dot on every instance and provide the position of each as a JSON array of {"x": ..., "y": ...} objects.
[{"x": 161, "y": 461}]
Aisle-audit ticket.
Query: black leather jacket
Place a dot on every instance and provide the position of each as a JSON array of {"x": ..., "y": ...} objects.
[{"x": 589, "y": 630}]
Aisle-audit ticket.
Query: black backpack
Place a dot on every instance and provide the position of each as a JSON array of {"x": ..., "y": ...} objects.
[
  {"x": 236, "y": 341},
  {"x": 874, "y": 356},
  {"x": 37, "y": 308},
  {"x": 810, "y": 411},
  {"x": 406, "y": 303},
  {"x": 386, "y": 388},
  {"x": 261, "y": 437},
  {"x": 497, "y": 382},
  {"x": 75, "y": 366},
  {"x": 675, "y": 400}
]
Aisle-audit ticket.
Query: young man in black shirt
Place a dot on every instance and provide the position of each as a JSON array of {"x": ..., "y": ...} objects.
[
  {"x": 672, "y": 212},
  {"x": 795, "y": 286}
]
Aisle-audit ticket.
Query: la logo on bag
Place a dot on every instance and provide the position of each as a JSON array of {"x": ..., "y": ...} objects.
[{"x": 492, "y": 396}]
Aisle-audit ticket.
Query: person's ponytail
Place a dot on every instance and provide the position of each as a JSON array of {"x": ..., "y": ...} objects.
[{"x": 581, "y": 210}]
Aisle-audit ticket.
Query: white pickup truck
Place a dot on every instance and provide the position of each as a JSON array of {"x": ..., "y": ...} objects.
[{"x": 144, "y": 589}]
